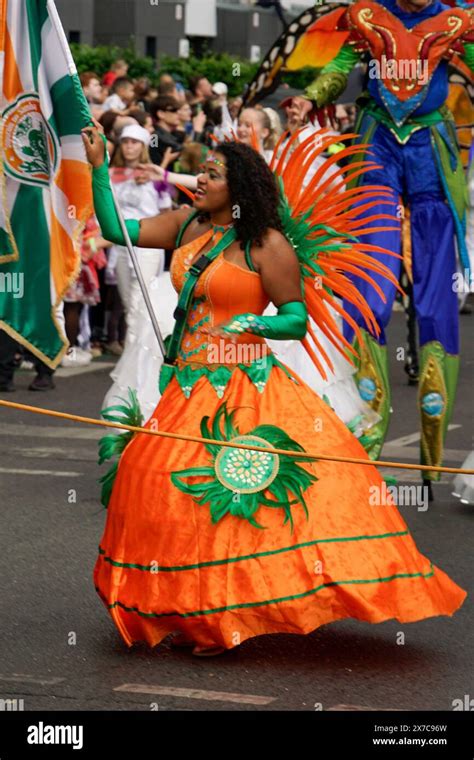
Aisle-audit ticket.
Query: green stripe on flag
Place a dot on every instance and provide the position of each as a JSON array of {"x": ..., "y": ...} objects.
[
  {"x": 37, "y": 15},
  {"x": 70, "y": 112},
  {"x": 30, "y": 314},
  {"x": 6, "y": 248}
]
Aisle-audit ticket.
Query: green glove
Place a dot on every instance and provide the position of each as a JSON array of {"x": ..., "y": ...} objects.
[
  {"x": 332, "y": 79},
  {"x": 105, "y": 209},
  {"x": 288, "y": 324}
]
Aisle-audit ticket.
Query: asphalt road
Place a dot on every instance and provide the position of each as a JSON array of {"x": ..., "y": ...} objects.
[{"x": 60, "y": 650}]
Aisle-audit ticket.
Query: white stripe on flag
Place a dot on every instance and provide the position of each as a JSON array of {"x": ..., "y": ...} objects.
[
  {"x": 72, "y": 148},
  {"x": 58, "y": 27},
  {"x": 60, "y": 206},
  {"x": 17, "y": 21},
  {"x": 53, "y": 66},
  {"x": 3, "y": 101}
]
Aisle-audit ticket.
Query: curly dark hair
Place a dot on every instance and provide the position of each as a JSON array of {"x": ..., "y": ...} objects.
[{"x": 252, "y": 190}]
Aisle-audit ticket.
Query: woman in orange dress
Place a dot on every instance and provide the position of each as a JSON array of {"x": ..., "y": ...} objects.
[{"x": 222, "y": 544}]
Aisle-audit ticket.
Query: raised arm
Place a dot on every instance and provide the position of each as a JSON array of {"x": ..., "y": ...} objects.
[
  {"x": 155, "y": 232},
  {"x": 332, "y": 79},
  {"x": 157, "y": 173}
]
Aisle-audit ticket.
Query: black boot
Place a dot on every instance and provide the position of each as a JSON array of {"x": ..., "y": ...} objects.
[
  {"x": 411, "y": 363},
  {"x": 7, "y": 387},
  {"x": 429, "y": 486},
  {"x": 412, "y": 369},
  {"x": 42, "y": 383},
  {"x": 8, "y": 349}
]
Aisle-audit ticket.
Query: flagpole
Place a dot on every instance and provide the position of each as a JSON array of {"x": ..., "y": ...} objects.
[
  {"x": 133, "y": 255},
  {"x": 56, "y": 22}
]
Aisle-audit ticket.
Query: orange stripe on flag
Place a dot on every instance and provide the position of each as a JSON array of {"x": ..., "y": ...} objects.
[
  {"x": 64, "y": 258},
  {"x": 74, "y": 180},
  {"x": 12, "y": 85},
  {"x": 3, "y": 16}
]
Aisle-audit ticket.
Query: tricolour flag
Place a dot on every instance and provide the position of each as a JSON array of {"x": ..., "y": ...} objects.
[{"x": 45, "y": 193}]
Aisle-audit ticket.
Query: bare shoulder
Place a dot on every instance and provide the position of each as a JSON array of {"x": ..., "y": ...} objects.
[
  {"x": 183, "y": 214},
  {"x": 276, "y": 241},
  {"x": 275, "y": 248}
]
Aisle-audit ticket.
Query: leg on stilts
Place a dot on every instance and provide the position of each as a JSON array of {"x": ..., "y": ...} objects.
[
  {"x": 434, "y": 267},
  {"x": 372, "y": 368}
]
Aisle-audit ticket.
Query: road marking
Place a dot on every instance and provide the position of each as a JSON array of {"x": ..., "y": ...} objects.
[
  {"x": 47, "y": 452},
  {"x": 23, "y": 678},
  {"x": 77, "y": 432},
  {"x": 92, "y": 367},
  {"x": 56, "y": 473},
  {"x": 411, "y": 476},
  {"x": 412, "y": 438},
  {"x": 213, "y": 696},
  {"x": 413, "y": 452}
]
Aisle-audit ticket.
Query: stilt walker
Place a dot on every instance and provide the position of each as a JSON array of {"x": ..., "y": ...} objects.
[{"x": 413, "y": 146}]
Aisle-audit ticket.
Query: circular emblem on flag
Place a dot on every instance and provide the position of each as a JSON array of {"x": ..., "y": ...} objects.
[{"x": 30, "y": 150}]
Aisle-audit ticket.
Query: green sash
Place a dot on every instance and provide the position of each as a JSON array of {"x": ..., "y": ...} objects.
[{"x": 186, "y": 295}]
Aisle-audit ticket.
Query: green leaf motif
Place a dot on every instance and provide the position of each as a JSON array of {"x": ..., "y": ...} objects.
[{"x": 240, "y": 481}]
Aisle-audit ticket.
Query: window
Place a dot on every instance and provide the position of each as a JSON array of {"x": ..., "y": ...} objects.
[{"x": 150, "y": 47}]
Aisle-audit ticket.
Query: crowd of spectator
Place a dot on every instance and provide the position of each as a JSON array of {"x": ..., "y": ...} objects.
[{"x": 172, "y": 126}]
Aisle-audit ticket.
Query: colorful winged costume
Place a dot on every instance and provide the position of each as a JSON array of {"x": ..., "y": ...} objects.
[
  {"x": 413, "y": 143},
  {"x": 224, "y": 544}
]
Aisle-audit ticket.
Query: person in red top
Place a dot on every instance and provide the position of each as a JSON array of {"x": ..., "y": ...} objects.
[{"x": 118, "y": 68}]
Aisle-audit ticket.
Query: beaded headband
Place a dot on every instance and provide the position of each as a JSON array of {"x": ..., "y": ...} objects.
[{"x": 212, "y": 159}]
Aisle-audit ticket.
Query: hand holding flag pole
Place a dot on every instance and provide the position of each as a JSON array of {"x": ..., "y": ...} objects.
[
  {"x": 93, "y": 134},
  {"x": 95, "y": 145}
]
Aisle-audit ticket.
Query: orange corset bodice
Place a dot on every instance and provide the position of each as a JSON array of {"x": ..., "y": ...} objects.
[{"x": 223, "y": 291}]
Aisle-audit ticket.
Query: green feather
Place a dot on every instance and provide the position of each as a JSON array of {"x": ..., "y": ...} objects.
[
  {"x": 306, "y": 237},
  {"x": 206, "y": 433},
  {"x": 286, "y": 489},
  {"x": 128, "y": 413}
]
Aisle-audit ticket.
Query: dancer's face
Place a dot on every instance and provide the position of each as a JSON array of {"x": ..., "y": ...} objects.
[{"x": 212, "y": 193}]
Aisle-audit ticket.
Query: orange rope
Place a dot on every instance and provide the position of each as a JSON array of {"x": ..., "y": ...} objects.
[{"x": 231, "y": 444}]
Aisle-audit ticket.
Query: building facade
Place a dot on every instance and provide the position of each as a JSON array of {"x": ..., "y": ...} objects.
[{"x": 157, "y": 27}]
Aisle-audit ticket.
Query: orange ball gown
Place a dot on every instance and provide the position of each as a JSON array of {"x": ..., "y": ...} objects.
[{"x": 184, "y": 548}]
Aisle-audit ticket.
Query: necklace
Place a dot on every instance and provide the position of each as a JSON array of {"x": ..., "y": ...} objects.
[{"x": 220, "y": 228}]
